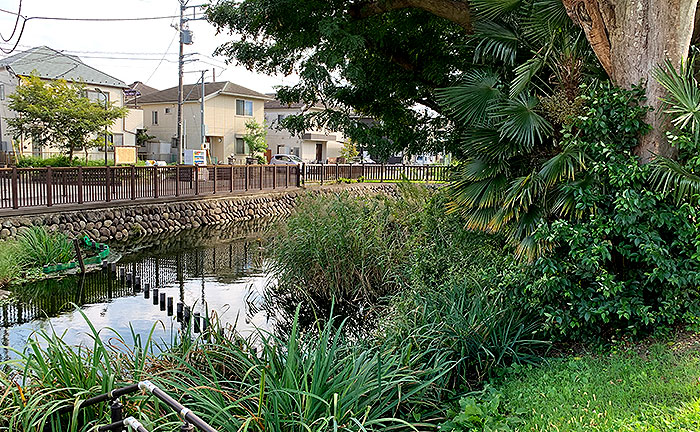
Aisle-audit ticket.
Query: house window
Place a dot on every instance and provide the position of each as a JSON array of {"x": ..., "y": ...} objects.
[
  {"x": 280, "y": 117},
  {"x": 167, "y": 111},
  {"x": 154, "y": 117},
  {"x": 241, "y": 147},
  {"x": 95, "y": 96},
  {"x": 2, "y": 91},
  {"x": 244, "y": 108},
  {"x": 116, "y": 139}
]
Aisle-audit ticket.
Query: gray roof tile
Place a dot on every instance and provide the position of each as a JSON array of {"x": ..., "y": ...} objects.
[{"x": 52, "y": 64}]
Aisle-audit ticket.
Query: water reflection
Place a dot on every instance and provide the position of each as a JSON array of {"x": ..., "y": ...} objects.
[{"x": 219, "y": 270}]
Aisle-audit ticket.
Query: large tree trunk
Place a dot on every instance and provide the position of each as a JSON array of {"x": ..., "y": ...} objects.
[{"x": 631, "y": 38}]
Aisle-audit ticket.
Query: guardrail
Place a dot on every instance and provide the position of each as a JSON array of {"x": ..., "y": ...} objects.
[
  {"x": 321, "y": 173},
  {"x": 47, "y": 187},
  {"x": 190, "y": 420}
]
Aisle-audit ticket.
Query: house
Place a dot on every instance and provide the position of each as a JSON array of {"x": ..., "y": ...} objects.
[
  {"x": 227, "y": 108},
  {"x": 50, "y": 64},
  {"x": 135, "y": 91},
  {"x": 312, "y": 146}
]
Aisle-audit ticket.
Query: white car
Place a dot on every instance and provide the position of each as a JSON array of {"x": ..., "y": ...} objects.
[{"x": 285, "y": 159}]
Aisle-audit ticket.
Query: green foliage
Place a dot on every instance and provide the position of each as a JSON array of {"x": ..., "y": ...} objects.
[
  {"x": 623, "y": 259},
  {"x": 9, "y": 263},
  {"x": 142, "y": 136},
  {"x": 382, "y": 62},
  {"x": 55, "y": 161},
  {"x": 646, "y": 388},
  {"x": 480, "y": 411},
  {"x": 301, "y": 382},
  {"x": 349, "y": 151},
  {"x": 255, "y": 137},
  {"x": 39, "y": 247},
  {"x": 460, "y": 323},
  {"x": 680, "y": 177},
  {"x": 50, "y": 374},
  {"x": 340, "y": 246},
  {"x": 56, "y": 113}
]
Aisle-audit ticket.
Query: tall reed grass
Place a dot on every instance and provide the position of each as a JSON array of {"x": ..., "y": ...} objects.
[
  {"x": 313, "y": 380},
  {"x": 340, "y": 246}
]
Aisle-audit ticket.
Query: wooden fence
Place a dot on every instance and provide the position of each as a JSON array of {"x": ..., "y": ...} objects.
[
  {"x": 321, "y": 173},
  {"x": 36, "y": 187}
]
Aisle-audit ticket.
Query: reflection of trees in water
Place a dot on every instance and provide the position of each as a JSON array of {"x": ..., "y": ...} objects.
[
  {"x": 282, "y": 302},
  {"x": 166, "y": 264}
]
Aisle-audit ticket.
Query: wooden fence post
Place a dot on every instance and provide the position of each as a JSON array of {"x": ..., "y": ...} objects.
[
  {"x": 214, "y": 192},
  {"x": 108, "y": 185},
  {"x": 323, "y": 173},
  {"x": 247, "y": 176},
  {"x": 132, "y": 182},
  {"x": 80, "y": 185},
  {"x": 196, "y": 179},
  {"x": 274, "y": 177},
  {"x": 261, "y": 176},
  {"x": 286, "y": 177},
  {"x": 336, "y": 171},
  {"x": 49, "y": 187},
  {"x": 15, "y": 188},
  {"x": 381, "y": 174},
  {"x": 230, "y": 183},
  {"x": 177, "y": 180},
  {"x": 155, "y": 182}
]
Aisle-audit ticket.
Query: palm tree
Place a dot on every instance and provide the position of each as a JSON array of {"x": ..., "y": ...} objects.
[{"x": 511, "y": 177}]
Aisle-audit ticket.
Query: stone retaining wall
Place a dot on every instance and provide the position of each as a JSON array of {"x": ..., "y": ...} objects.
[{"x": 120, "y": 223}]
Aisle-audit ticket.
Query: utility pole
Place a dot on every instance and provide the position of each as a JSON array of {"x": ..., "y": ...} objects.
[
  {"x": 201, "y": 112},
  {"x": 180, "y": 66}
]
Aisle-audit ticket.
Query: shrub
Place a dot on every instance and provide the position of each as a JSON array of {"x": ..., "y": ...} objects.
[
  {"x": 480, "y": 411},
  {"x": 9, "y": 263},
  {"x": 38, "y": 247},
  {"x": 625, "y": 260}
]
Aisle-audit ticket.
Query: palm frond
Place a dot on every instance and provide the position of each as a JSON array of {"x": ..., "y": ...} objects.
[
  {"x": 563, "y": 166},
  {"x": 683, "y": 101},
  {"x": 469, "y": 101},
  {"x": 524, "y": 74},
  {"x": 669, "y": 176},
  {"x": 547, "y": 19},
  {"x": 490, "y": 9},
  {"x": 519, "y": 122},
  {"x": 496, "y": 41}
]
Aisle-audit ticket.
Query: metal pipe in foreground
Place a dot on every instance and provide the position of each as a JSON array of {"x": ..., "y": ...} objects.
[
  {"x": 129, "y": 422},
  {"x": 114, "y": 394},
  {"x": 184, "y": 413}
]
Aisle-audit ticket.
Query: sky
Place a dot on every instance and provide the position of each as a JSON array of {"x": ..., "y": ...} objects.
[{"x": 131, "y": 51}]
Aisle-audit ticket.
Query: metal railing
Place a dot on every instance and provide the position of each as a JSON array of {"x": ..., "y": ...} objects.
[
  {"x": 116, "y": 408},
  {"x": 37, "y": 187},
  {"x": 321, "y": 173}
]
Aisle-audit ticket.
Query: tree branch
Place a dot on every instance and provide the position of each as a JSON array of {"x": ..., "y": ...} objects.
[
  {"x": 452, "y": 10},
  {"x": 591, "y": 16}
]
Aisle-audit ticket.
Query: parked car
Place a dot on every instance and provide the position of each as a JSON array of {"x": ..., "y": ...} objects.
[{"x": 285, "y": 159}]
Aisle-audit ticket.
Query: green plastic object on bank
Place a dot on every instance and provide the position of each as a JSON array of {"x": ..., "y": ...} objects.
[{"x": 101, "y": 251}]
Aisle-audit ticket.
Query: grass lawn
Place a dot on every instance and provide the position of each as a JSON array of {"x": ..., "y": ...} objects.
[{"x": 653, "y": 390}]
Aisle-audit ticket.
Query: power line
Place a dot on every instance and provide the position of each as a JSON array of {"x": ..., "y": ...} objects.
[
  {"x": 14, "y": 30},
  {"x": 25, "y": 18}
]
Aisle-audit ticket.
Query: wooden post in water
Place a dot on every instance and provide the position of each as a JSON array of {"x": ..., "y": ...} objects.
[{"x": 79, "y": 255}]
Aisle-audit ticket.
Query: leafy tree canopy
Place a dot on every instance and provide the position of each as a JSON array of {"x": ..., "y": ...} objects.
[
  {"x": 387, "y": 64},
  {"x": 56, "y": 113}
]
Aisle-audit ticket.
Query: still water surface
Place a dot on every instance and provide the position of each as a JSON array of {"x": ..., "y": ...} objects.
[{"x": 220, "y": 270}]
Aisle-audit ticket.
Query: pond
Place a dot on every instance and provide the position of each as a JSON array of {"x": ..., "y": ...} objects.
[{"x": 207, "y": 271}]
